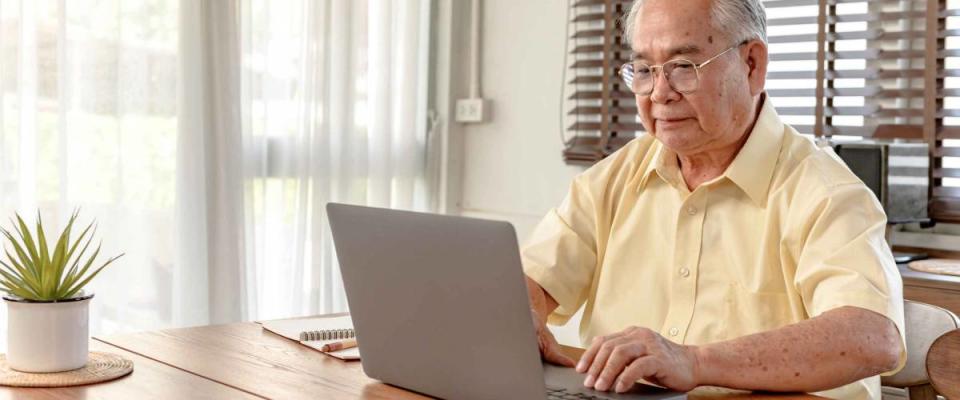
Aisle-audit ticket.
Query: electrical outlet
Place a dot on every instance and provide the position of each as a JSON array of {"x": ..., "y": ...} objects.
[{"x": 472, "y": 110}]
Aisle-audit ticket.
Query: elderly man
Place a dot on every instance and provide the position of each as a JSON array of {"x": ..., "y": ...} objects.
[{"x": 723, "y": 248}]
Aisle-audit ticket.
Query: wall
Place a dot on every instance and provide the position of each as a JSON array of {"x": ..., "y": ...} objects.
[
  {"x": 509, "y": 168},
  {"x": 512, "y": 167}
]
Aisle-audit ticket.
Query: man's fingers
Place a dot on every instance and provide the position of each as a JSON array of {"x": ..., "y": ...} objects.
[
  {"x": 640, "y": 368},
  {"x": 600, "y": 360},
  {"x": 586, "y": 359},
  {"x": 621, "y": 355}
]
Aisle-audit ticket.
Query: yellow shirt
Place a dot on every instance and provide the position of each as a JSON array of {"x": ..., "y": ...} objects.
[{"x": 787, "y": 233}]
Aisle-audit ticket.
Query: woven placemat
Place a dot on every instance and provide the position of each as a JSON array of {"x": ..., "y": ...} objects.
[
  {"x": 101, "y": 367},
  {"x": 936, "y": 266}
]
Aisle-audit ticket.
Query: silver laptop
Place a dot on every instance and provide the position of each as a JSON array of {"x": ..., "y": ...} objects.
[{"x": 440, "y": 307}]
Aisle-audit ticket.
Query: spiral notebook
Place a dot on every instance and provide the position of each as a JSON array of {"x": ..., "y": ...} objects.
[{"x": 316, "y": 332}]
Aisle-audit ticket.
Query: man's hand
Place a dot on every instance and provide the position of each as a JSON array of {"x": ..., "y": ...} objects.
[
  {"x": 549, "y": 348},
  {"x": 617, "y": 361}
]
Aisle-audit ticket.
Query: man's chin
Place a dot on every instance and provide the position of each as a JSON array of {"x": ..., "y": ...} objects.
[
  {"x": 677, "y": 140},
  {"x": 674, "y": 125}
]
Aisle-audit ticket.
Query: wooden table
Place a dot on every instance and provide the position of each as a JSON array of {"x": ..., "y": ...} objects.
[
  {"x": 936, "y": 289},
  {"x": 235, "y": 361},
  {"x": 149, "y": 380}
]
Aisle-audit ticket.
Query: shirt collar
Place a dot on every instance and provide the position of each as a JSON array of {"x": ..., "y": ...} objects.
[
  {"x": 751, "y": 170},
  {"x": 664, "y": 163}
]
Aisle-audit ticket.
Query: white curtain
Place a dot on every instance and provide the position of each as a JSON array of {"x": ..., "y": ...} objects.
[
  {"x": 205, "y": 137},
  {"x": 334, "y": 109},
  {"x": 210, "y": 207},
  {"x": 88, "y": 120}
]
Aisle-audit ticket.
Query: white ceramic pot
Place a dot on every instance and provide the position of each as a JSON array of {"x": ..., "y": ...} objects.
[{"x": 48, "y": 336}]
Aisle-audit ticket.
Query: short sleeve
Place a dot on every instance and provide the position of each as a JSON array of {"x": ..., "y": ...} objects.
[
  {"x": 845, "y": 259},
  {"x": 561, "y": 254}
]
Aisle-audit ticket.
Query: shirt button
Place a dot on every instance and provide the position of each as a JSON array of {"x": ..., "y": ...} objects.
[
  {"x": 684, "y": 272},
  {"x": 674, "y": 331},
  {"x": 691, "y": 210}
]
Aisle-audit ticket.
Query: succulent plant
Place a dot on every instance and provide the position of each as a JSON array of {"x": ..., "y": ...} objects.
[{"x": 37, "y": 274}]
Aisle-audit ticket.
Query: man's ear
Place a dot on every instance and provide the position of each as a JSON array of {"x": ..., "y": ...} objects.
[{"x": 757, "y": 60}]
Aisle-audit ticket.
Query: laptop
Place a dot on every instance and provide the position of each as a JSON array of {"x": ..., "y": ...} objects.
[{"x": 440, "y": 307}]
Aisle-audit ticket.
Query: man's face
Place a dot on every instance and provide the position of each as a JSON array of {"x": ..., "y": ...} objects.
[{"x": 720, "y": 110}]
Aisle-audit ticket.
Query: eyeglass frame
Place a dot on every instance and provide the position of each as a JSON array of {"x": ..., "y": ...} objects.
[{"x": 658, "y": 69}]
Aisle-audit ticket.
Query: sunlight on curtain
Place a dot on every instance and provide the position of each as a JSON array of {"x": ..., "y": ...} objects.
[
  {"x": 334, "y": 109},
  {"x": 206, "y": 137},
  {"x": 88, "y": 119}
]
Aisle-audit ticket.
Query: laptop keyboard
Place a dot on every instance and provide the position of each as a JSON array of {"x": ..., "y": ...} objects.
[{"x": 563, "y": 394}]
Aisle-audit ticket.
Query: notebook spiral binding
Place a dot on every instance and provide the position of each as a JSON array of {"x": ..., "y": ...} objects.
[{"x": 328, "y": 334}]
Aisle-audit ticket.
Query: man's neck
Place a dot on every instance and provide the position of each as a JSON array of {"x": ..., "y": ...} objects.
[{"x": 699, "y": 168}]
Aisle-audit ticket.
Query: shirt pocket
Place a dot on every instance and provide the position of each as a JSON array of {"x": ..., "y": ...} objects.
[{"x": 747, "y": 312}]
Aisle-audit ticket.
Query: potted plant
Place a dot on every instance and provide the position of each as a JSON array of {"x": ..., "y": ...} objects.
[{"x": 47, "y": 309}]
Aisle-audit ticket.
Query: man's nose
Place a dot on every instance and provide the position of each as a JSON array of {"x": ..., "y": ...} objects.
[{"x": 662, "y": 91}]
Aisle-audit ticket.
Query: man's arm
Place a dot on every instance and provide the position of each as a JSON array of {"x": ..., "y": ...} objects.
[
  {"x": 838, "y": 347},
  {"x": 541, "y": 305},
  {"x": 540, "y": 301}
]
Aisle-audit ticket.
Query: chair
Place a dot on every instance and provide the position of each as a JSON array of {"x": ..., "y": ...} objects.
[
  {"x": 943, "y": 364},
  {"x": 924, "y": 323}
]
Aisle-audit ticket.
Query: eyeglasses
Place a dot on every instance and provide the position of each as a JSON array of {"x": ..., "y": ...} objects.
[{"x": 682, "y": 75}]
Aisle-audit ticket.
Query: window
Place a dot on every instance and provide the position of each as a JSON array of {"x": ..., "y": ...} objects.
[
  {"x": 604, "y": 116},
  {"x": 88, "y": 119}
]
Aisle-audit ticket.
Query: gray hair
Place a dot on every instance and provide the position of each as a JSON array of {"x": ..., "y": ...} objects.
[{"x": 741, "y": 19}]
